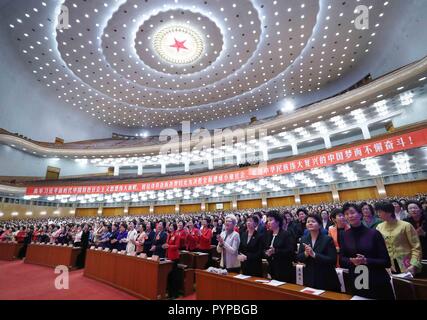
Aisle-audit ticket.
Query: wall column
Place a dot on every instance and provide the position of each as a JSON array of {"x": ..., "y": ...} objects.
[
  {"x": 365, "y": 132},
  {"x": 116, "y": 170},
  {"x": 140, "y": 169},
  {"x": 327, "y": 141},
  {"x": 234, "y": 203},
  {"x": 379, "y": 183},
  {"x": 297, "y": 197},
  {"x": 264, "y": 200},
  {"x": 294, "y": 149},
  {"x": 335, "y": 193}
]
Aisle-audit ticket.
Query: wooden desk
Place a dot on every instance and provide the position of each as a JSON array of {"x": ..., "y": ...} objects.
[
  {"x": 9, "y": 250},
  {"x": 140, "y": 277},
  {"x": 210, "y": 286},
  {"x": 194, "y": 260},
  {"x": 52, "y": 255}
]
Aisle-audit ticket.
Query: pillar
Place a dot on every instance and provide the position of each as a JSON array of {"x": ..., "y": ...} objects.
[
  {"x": 327, "y": 141},
  {"x": 116, "y": 170},
  {"x": 379, "y": 183},
  {"x": 294, "y": 149},
  {"x": 187, "y": 166},
  {"x": 140, "y": 169},
  {"x": 365, "y": 132},
  {"x": 264, "y": 200},
  {"x": 297, "y": 197},
  {"x": 335, "y": 193}
]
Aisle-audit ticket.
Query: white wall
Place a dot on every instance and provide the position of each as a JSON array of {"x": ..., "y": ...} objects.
[{"x": 18, "y": 163}]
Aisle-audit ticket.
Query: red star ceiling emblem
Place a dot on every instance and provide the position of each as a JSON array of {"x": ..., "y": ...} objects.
[{"x": 179, "y": 45}]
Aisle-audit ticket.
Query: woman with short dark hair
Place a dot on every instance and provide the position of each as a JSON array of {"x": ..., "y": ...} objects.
[
  {"x": 251, "y": 248},
  {"x": 317, "y": 251},
  {"x": 366, "y": 247},
  {"x": 279, "y": 249}
]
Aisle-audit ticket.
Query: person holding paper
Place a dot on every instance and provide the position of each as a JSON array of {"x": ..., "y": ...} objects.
[
  {"x": 228, "y": 245},
  {"x": 364, "y": 246},
  {"x": 251, "y": 249},
  {"x": 279, "y": 249},
  {"x": 401, "y": 239},
  {"x": 317, "y": 251}
]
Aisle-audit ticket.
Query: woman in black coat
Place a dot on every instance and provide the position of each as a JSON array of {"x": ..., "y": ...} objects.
[
  {"x": 366, "y": 247},
  {"x": 279, "y": 247},
  {"x": 318, "y": 252},
  {"x": 251, "y": 249}
]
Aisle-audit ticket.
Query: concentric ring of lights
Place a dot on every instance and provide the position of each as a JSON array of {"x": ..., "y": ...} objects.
[
  {"x": 193, "y": 43},
  {"x": 207, "y": 35},
  {"x": 125, "y": 99}
]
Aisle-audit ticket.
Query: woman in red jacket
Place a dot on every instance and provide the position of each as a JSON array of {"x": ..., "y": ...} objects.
[
  {"x": 193, "y": 235},
  {"x": 206, "y": 239},
  {"x": 172, "y": 253}
]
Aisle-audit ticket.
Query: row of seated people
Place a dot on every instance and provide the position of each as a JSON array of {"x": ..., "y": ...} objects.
[{"x": 346, "y": 237}]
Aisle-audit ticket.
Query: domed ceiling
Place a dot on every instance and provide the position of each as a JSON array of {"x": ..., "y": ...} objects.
[{"x": 156, "y": 63}]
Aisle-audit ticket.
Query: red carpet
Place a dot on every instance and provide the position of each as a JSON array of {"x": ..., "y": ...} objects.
[{"x": 20, "y": 281}]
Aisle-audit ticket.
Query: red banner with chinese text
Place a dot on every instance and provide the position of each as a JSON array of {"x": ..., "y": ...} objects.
[{"x": 374, "y": 148}]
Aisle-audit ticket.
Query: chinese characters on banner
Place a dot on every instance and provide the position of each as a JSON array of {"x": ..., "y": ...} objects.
[{"x": 375, "y": 148}]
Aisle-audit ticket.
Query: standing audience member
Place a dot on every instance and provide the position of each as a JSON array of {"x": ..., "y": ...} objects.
[
  {"x": 228, "y": 245},
  {"x": 418, "y": 220},
  {"x": 403, "y": 244},
  {"x": 279, "y": 249},
  {"x": 364, "y": 246},
  {"x": 317, "y": 251},
  {"x": 370, "y": 220},
  {"x": 251, "y": 248}
]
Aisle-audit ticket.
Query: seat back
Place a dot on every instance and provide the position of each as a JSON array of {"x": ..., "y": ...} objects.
[{"x": 403, "y": 289}]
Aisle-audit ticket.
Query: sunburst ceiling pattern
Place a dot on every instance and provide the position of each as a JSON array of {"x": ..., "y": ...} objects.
[{"x": 114, "y": 61}]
